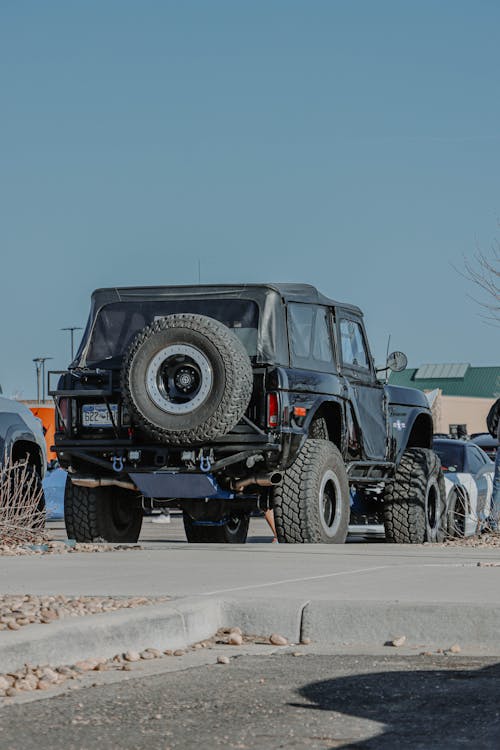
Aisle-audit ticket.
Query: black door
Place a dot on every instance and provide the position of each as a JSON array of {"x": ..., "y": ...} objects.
[{"x": 367, "y": 393}]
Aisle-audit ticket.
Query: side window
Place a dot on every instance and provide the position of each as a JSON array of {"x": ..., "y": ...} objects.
[
  {"x": 310, "y": 343},
  {"x": 352, "y": 344}
]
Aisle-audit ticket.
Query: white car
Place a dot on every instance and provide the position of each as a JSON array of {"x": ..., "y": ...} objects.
[{"x": 468, "y": 475}]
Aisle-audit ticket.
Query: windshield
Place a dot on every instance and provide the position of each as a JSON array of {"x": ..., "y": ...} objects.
[
  {"x": 117, "y": 323},
  {"x": 452, "y": 456}
]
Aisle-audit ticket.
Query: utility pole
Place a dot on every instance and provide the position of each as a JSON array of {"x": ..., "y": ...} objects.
[
  {"x": 40, "y": 375},
  {"x": 72, "y": 330}
]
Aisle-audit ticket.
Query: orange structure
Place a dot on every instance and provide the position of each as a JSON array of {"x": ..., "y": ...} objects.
[{"x": 45, "y": 411}]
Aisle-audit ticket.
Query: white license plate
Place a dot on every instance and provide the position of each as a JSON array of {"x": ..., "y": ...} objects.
[{"x": 97, "y": 415}]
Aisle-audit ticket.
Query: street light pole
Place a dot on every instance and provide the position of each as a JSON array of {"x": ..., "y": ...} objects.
[
  {"x": 40, "y": 372},
  {"x": 72, "y": 330}
]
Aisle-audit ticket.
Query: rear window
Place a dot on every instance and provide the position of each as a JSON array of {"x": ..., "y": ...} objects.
[
  {"x": 117, "y": 323},
  {"x": 452, "y": 456}
]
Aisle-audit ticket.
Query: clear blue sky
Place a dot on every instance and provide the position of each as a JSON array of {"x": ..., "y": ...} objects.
[{"x": 351, "y": 144}]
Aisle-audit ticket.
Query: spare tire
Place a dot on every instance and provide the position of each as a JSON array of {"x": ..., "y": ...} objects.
[{"x": 187, "y": 379}]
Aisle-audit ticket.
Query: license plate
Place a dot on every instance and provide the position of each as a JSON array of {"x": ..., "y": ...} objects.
[{"x": 97, "y": 415}]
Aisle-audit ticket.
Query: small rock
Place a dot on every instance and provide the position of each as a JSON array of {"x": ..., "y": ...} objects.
[
  {"x": 236, "y": 630},
  {"x": 49, "y": 674},
  {"x": 305, "y": 641},
  {"x": 179, "y": 652},
  {"x": 11, "y": 692},
  {"x": 297, "y": 653},
  {"x": 156, "y": 653},
  {"x": 147, "y": 655},
  {"x": 222, "y": 660},
  {"x": 132, "y": 656},
  {"x": 168, "y": 652},
  {"x": 13, "y": 625},
  {"x": 45, "y": 684},
  {"x": 455, "y": 649},
  {"x": 397, "y": 642},
  {"x": 197, "y": 646},
  {"x": 278, "y": 640},
  {"x": 85, "y": 666},
  {"x": 235, "y": 639},
  {"x": 426, "y": 653},
  {"x": 127, "y": 667}
]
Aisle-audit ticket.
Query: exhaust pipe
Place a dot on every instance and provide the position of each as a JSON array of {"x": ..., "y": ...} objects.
[
  {"x": 263, "y": 480},
  {"x": 90, "y": 482}
]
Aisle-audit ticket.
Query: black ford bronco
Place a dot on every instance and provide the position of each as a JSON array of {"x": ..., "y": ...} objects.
[{"x": 221, "y": 400}]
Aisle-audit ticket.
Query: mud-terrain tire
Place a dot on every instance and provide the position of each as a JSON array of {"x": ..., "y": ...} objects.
[
  {"x": 101, "y": 513},
  {"x": 415, "y": 500},
  {"x": 187, "y": 379},
  {"x": 235, "y": 531},
  {"x": 311, "y": 505},
  {"x": 318, "y": 429}
]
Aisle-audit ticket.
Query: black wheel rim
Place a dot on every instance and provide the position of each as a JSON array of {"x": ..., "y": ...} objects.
[{"x": 329, "y": 504}]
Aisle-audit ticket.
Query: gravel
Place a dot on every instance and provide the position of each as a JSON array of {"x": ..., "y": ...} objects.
[
  {"x": 481, "y": 541},
  {"x": 62, "y": 548},
  {"x": 19, "y": 610},
  {"x": 44, "y": 677}
]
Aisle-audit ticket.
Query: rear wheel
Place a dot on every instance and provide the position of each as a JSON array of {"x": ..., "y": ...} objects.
[
  {"x": 234, "y": 531},
  {"x": 311, "y": 505},
  {"x": 107, "y": 514},
  {"x": 415, "y": 500}
]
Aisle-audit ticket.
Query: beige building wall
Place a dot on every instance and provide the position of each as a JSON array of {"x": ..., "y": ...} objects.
[{"x": 461, "y": 410}]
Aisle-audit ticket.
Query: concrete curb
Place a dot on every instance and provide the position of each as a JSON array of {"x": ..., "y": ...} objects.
[
  {"x": 357, "y": 623},
  {"x": 174, "y": 625},
  {"x": 183, "y": 622}
]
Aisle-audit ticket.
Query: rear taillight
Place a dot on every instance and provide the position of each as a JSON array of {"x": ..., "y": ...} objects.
[
  {"x": 272, "y": 410},
  {"x": 62, "y": 414}
]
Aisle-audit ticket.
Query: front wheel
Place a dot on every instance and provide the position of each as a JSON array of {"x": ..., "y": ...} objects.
[
  {"x": 311, "y": 505},
  {"x": 415, "y": 500},
  {"x": 107, "y": 514},
  {"x": 233, "y": 531}
]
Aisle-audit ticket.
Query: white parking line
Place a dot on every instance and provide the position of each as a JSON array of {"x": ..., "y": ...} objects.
[{"x": 294, "y": 580}]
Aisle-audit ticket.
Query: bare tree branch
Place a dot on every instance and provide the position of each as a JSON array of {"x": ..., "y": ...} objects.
[{"x": 484, "y": 271}]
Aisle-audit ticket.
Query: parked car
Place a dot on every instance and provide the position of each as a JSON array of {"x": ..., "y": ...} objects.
[
  {"x": 487, "y": 442},
  {"x": 468, "y": 473},
  {"x": 22, "y": 439}
]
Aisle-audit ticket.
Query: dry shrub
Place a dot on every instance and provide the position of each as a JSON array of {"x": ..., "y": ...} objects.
[{"x": 22, "y": 505}]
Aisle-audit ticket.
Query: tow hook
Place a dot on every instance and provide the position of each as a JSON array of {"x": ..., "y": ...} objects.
[
  {"x": 118, "y": 463},
  {"x": 205, "y": 463}
]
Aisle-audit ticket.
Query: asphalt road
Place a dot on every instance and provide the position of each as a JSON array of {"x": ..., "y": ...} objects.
[
  {"x": 313, "y": 702},
  {"x": 154, "y": 533}
]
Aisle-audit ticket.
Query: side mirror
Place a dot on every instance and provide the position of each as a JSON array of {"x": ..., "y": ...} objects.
[{"x": 397, "y": 362}]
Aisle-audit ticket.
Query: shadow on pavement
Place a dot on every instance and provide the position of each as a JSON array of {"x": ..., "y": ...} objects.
[{"x": 434, "y": 708}]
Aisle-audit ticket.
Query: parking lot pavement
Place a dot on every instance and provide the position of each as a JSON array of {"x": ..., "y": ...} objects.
[
  {"x": 352, "y": 594},
  {"x": 167, "y": 564},
  {"x": 318, "y": 701}
]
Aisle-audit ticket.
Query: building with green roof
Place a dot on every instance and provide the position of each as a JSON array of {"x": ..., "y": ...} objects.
[{"x": 460, "y": 394}]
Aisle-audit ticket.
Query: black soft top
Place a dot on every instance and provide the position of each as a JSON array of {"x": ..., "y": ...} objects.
[
  {"x": 288, "y": 292},
  {"x": 272, "y": 345}
]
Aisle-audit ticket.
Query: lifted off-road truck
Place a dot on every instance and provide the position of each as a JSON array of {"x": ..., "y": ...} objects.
[{"x": 221, "y": 400}]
